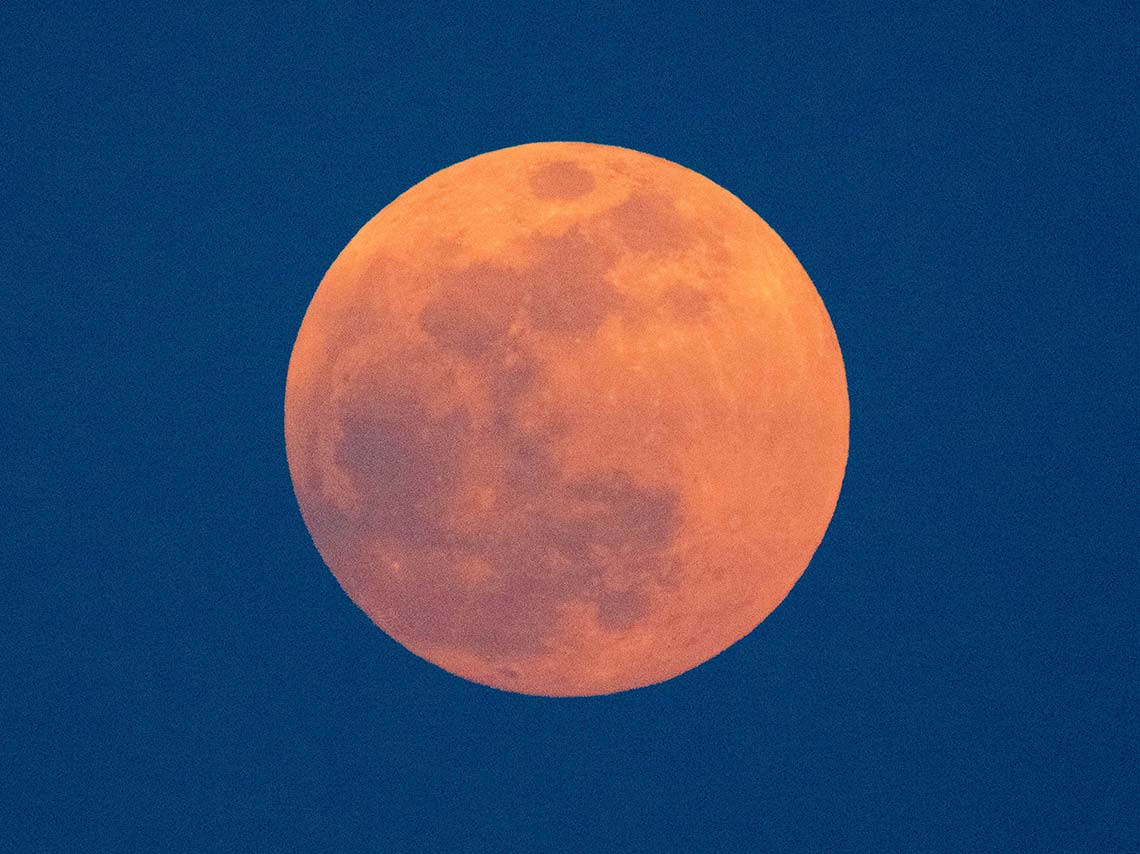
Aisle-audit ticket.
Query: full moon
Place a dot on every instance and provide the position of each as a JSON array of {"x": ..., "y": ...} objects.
[{"x": 566, "y": 419}]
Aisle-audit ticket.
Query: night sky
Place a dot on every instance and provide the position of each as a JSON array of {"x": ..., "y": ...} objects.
[{"x": 957, "y": 670}]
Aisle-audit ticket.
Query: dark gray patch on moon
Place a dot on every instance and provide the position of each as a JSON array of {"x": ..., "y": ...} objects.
[
  {"x": 562, "y": 180},
  {"x": 649, "y": 222},
  {"x": 401, "y": 460},
  {"x": 473, "y": 308},
  {"x": 567, "y": 289},
  {"x": 620, "y": 610}
]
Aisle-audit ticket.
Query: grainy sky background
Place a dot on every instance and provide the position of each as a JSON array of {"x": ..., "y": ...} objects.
[{"x": 958, "y": 668}]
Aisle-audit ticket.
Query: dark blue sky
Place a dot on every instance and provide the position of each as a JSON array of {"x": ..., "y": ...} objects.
[{"x": 958, "y": 668}]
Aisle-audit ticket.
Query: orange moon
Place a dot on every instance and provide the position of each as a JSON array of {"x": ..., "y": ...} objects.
[{"x": 566, "y": 419}]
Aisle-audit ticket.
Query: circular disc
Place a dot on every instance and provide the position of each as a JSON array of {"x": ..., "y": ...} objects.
[{"x": 566, "y": 419}]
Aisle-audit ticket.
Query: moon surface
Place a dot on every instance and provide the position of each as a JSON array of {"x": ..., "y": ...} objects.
[{"x": 566, "y": 419}]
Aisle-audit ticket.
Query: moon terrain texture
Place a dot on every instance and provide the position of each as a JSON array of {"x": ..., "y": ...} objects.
[{"x": 566, "y": 419}]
